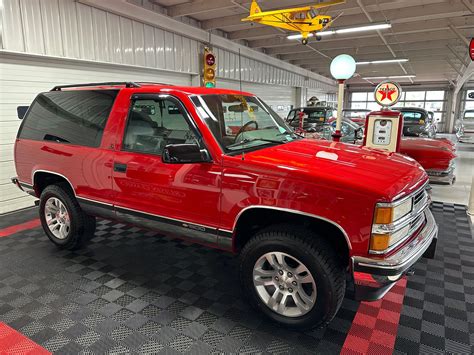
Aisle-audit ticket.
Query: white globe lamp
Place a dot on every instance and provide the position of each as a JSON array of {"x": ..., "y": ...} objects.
[{"x": 342, "y": 68}]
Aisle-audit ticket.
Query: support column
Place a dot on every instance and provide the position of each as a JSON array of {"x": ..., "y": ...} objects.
[{"x": 301, "y": 97}]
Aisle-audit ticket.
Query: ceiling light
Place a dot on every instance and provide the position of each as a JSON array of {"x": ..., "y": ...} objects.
[
  {"x": 390, "y": 77},
  {"x": 379, "y": 26},
  {"x": 373, "y": 27},
  {"x": 383, "y": 61}
]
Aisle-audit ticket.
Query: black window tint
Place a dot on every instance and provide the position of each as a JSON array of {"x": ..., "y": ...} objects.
[
  {"x": 153, "y": 124},
  {"x": 75, "y": 117}
]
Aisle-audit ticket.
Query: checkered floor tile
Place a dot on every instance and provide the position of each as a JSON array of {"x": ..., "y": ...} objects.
[{"x": 132, "y": 290}]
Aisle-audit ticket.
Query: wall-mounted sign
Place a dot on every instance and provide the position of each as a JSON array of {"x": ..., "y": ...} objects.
[
  {"x": 388, "y": 93},
  {"x": 471, "y": 49}
]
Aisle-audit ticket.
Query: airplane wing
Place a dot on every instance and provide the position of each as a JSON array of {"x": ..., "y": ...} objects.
[{"x": 288, "y": 12}]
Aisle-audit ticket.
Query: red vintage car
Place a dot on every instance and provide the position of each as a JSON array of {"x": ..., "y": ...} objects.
[
  {"x": 305, "y": 216},
  {"x": 437, "y": 156}
]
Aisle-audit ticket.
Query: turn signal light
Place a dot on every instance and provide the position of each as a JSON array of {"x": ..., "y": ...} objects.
[
  {"x": 383, "y": 215},
  {"x": 379, "y": 242}
]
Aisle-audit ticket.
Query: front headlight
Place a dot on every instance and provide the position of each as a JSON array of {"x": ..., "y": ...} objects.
[{"x": 385, "y": 234}]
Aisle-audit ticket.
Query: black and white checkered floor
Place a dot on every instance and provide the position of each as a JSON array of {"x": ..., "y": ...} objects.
[{"x": 136, "y": 291}]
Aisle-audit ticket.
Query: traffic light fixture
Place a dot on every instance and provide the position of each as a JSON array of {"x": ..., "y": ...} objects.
[{"x": 209, "y": 75}]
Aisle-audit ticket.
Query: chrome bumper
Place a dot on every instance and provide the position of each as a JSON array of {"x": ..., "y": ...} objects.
[
  {"x": 374, "y": 277},
  {"x": 443, "y": 177}
]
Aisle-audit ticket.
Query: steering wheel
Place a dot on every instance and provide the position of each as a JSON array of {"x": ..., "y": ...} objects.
[{"x": 242, "y": 129}]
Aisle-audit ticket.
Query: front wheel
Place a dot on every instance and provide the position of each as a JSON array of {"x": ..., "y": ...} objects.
[{"x": 293, "y": 277}]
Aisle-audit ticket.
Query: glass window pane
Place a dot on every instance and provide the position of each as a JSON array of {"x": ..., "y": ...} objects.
[
  {"x": 358, "y": 105},
  {"x": 419, "y": 104},
  {"x": 434, "y": 106},
  {"x": 75, "y": 116},
  {"x": 438, "y": 116},
  {"x": 435, "y": 95},
  {"x": 359, "y": 96},
  {"x": 373, "y": 106},
  {"x": 415, "y": 95},
  {"x": 153, "y": 124},
  {"x": 469, "y": 105}
]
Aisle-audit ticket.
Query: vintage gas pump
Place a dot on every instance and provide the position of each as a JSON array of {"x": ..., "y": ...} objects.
[{"x": 383, "y": 129}]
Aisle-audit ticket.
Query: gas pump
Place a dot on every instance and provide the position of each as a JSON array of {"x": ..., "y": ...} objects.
[{"x": 383, "y": 129}]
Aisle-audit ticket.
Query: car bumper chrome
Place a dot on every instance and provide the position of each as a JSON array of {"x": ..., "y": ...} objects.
[
  {"x": 374, "y": 277},
  {"x": 442, "y": 176}
]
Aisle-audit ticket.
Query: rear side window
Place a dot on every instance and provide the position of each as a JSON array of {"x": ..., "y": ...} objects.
[{"x": 74, "y": 117}]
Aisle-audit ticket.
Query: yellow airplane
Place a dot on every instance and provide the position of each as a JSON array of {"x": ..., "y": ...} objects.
[{"x": 305, "y": 19}]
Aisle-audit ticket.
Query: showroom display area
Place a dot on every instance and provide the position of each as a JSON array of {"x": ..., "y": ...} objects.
[
  {"x": 135, "y": 290},
  {"x": 236, "y": 176}
]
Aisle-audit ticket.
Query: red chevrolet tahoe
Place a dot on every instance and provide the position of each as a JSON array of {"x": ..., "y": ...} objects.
[{"x": 305, "y": 216}]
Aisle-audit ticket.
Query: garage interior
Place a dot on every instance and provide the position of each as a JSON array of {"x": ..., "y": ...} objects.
[{"x": 132, "y": 290}]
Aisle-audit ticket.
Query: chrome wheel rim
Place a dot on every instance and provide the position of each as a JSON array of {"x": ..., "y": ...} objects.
[
  {"x": 57, "y": 218},
  {"x": 284, "y": 284}
]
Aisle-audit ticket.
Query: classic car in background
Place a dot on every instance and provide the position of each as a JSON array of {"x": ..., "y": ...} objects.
[
  {"x": 436, "y": 156},
  {"x": 465, "y": 127},
  {"x": 313, "y": 116},
  {"x": 417, "y": 122}
]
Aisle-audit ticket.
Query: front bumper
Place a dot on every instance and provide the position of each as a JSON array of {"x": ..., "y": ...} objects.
[
  {"x": 374, "y": 277},
  {"x": 442, "y": 177}
]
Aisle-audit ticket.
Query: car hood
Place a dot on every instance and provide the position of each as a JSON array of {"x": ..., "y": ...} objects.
[
  {"x": 427, "y": 146},
  {"x": 382, "y": 174}
]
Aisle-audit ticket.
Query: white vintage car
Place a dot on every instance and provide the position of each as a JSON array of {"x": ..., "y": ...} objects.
[{"x": 465, "y": 127}]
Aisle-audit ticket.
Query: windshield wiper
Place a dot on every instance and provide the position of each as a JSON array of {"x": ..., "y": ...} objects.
[{"x": 247, "y": 140}]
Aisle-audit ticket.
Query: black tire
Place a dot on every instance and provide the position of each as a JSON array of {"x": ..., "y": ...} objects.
[
  {"x": 82, "y": 226},
  {"x": 319, "y": 258}
]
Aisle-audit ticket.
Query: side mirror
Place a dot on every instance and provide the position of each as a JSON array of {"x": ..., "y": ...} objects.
[
  {"x": 21, "y": 111},
  {"x": 185, "y": 154}
]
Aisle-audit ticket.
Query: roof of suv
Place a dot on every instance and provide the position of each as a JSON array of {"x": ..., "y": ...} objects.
[{"x": 152, "y": 87}]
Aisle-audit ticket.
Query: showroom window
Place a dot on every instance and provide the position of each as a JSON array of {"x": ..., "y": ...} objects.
[
  {"x": 467, "y": 103},
  {"x": 432, "y": 100}
]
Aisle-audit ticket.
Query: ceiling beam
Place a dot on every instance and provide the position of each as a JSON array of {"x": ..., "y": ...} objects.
[
  {"x": 197, "y": 7},
  {"x": 458, "y": 33}
]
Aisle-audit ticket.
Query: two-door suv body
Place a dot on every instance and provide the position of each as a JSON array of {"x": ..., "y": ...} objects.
[{"x": 305, "y": 216}]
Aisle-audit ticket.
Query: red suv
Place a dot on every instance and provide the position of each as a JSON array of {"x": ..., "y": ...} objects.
[{"x": 221, "y": 168}]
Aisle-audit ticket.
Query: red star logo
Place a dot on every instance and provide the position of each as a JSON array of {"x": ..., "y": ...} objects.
[{"x": 387, "y": 92}]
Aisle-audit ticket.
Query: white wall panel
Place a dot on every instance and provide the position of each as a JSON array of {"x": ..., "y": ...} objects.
[
  {"x": 187, "y": 55},
  {"x": 84, "y": 22},
  {"x": 53, "y": 42},
  {"x": 32, "y": 26},
  {"x": 178, "y": 52},
  {"x": 126, "y": 35},
  {"x": 114, "y": 38},
  {"x": 11, "y": 20},
  {"x": 169, "y": 52},
  {"x": 70, "y": 33},
  {"x": 100, "y": 40},
  {"x": 194, "y": 56},
  {"x": 138, "y": 44},
  {"x": 160, "y": 48},
  {"x": 150, "y": 54}
]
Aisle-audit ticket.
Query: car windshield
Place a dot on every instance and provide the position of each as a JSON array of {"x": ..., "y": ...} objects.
[
  {"x": 241, "y": 122},
  {"x": 414, "y": 117}
]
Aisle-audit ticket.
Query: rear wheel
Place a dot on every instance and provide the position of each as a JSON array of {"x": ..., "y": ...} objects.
[
  {"x": 293, "y": 277},
  {"x": 63, "y": 220}
]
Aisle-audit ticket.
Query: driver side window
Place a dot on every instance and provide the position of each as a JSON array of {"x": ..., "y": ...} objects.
[{"x": 153, "y": 124}]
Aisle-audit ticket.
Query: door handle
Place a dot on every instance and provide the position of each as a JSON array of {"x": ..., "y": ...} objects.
[{"x": 120, "y": 168}]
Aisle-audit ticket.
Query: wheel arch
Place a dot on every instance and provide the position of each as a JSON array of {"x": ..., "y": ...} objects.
[
  {"x": 254, "y": 218},
  {"x": 43, "y": 178}
]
